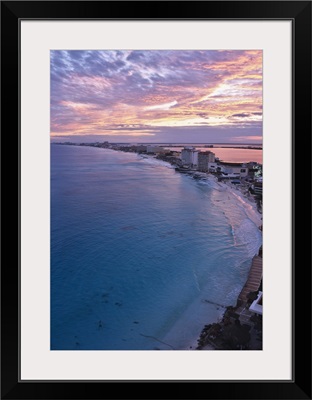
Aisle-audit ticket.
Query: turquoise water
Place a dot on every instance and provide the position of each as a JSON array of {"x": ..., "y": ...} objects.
[{"x": 142, "y": 257}]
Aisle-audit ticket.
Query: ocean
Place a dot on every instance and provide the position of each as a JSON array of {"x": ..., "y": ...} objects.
[{"x": 142, "y": 257}]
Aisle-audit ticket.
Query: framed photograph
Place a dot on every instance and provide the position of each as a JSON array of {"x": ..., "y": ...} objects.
[{"x": 158, "y": 240}]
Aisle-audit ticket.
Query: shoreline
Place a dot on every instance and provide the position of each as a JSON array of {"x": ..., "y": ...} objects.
[
  {"x": 246, "y": 200},
  {"x": 212, "y": 334},
  {"x": 238, "y": 329},
  {"x": 210, "y": 337}
]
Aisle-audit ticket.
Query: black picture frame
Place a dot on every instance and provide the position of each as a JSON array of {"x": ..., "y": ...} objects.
[{"x": 297, "y": 11}]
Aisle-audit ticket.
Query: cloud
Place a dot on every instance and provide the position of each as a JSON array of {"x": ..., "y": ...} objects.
[
  {"x": 242, "y": 115},
  {"x": 165, "y": 106},
  {"x": 198, "y": 134},
  {"x": 256, "y": 138},
  {"x": 93, "y": 90}
]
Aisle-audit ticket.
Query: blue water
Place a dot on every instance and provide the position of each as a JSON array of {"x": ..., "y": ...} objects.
[{"x": 139, "y": 252}]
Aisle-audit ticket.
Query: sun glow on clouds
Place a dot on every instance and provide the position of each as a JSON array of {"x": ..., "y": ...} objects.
[
  {"x": 108, "y": 133},
  {"x": 77, "y": 106},
  {"x": 209, "y": 121},
  {"x": 141, "y": 93},
  {"x": 164, "y": 107}
]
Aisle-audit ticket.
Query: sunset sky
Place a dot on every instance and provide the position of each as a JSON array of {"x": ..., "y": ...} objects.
[{"x": 160, "y": 96}]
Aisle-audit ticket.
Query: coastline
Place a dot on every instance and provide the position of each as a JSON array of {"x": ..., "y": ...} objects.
[
  {"x": 211, "y": 335},
  {"x": 229, "y": 319},
  {"x": 239, "y": 328},
  {"x": 240, "y": 196},
  {"x": 247, "y": 201}
]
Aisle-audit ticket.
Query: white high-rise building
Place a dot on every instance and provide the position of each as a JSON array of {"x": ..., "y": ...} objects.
[{"x": 189, "y": 156}]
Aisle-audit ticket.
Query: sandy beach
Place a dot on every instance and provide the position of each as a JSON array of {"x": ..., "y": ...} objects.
[{"x": 247, "y": 201}]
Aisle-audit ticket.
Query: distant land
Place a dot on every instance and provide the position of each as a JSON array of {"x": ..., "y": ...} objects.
[{"x": 254, "y": 146}]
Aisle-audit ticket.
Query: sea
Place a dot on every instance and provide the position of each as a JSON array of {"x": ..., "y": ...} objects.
[{"x": 142, "y": 257}]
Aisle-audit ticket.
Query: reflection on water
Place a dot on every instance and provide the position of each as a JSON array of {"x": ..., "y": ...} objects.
[{"x": 231, "y": 154}]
